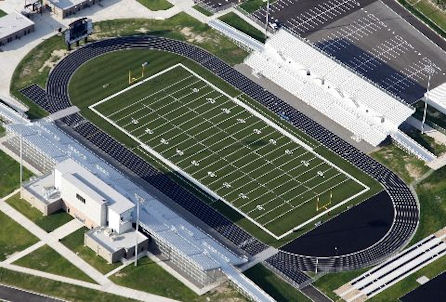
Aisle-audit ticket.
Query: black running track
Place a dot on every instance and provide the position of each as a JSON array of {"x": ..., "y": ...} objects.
[
  {"x": 434, "y": 290},
  {"x": 289, "y": 264}
]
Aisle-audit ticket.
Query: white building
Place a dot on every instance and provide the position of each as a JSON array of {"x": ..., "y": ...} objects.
[
  {"x": 14, "y": 26},
  {"x": 90, "y": 199}
]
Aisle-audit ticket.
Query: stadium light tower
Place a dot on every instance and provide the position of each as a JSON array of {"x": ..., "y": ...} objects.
[
  {"x": 430, "y": 71},
  {"x": 139, "y": 200},
  {"x": 266, "y": 18}
]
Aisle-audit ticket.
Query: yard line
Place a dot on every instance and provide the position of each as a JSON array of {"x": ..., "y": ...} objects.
[{"x": 128, "y": 106}]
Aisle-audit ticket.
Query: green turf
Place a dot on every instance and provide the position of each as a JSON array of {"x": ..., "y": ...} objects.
[
  {"x": 48, "y": 260},
  {"x": 68, "y": 292},
  {"x": 407, "y": 166},
  {"x": 398, "y": 290},
  {"x": 432, "y": 196},
  {"x": 429, "y": 14},
  {"x": 150, "y": 277},
  {"x": 155, "y": 5},
  {"x": 266, "y": 175},
  {"x": 10, "y": 174},
  {"x": 274, "y": 286},
  {"x": 2, "y": 13},
  {"x": 330, "y": 282},
  {"x": 35, "y": 66},
  {"x": 235, "y": 21},
  {"x": 251, "y": 6},
  {"x": 202, "y": 10},
  {"x": 75, "y": 242},
  {"x": 111, "y": 71},
  {"x": 13, "y": 237},
  {"x": 48, "y": 223}
]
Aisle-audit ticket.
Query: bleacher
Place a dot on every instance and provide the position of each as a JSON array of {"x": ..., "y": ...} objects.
[{"x": 363, "y": 108}]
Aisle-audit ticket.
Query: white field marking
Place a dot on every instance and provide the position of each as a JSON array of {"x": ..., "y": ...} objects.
[
  {"x": 168, "y": 104},
  {"x": 315, "y": 194},
  {"x": 202, "y": 186}
]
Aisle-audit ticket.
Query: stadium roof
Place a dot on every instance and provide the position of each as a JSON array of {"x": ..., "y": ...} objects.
[
  {"x": 12, "y": 23},
  {"x": 437, "y": 97},
  {"x": 65, "y": 4},
  {"x": 187, "y": 239}
]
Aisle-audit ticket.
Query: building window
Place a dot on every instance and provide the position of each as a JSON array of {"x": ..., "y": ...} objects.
[{"x": 80, "y": 198}]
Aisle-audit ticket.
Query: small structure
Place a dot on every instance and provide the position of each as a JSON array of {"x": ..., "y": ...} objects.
[
  {"x": 14, "y": 26},
  {"x": 114, "y": 247},
  {"x": 437, "y": 98},
  {"x": 65, "y": 8}
]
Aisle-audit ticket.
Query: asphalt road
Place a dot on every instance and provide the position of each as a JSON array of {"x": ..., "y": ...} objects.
[{"x": 16, "y": 295}]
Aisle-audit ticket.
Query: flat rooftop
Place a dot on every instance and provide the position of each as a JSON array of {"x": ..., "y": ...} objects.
[
  {"x": 65, "y": 4},
  {"x": 12, "y": 23},
  {"x": 93, "y": 186},
  {"x": 437, "y": 97},
  {"x": 115, "y": 242}
]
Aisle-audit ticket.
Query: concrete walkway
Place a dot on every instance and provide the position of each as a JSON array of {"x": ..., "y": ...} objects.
[{"x": 52, "y": 240}]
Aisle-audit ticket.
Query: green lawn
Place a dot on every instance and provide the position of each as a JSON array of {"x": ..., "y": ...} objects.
[
  {"x": 48, "y": 223},
  {"x": 398, "y": 290},
  {"x": 13, "y": 237},
  {"x": 2, "y": 13},
  {"x": 432, "y": 195},
  {"x": 35, "y": 66},
  {"x": 274, "y": 286},
  {"x": 427, "y": 12},
  {"x": 75, "y": 242},
  {"x": 330, "y": 282},
  {"x": 10, "y": 174},
  {"x": 48, "y": 260},
  {"x": 150, "y": 277},
  {"x": 202, "y": 10},
  {"x": 58, "y": 289},
  {"x": 251, "y": 6},
  {"x": 156, "y": 4},
  {"x": 407, "y": 166},
  {"x": 235, "y": 21}
]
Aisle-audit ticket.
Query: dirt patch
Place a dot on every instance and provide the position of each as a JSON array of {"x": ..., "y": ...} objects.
[
  {"x": 55, "y": 57},
  {"x": 414, "y": 171},
  {"x": 192, "y": 37}
]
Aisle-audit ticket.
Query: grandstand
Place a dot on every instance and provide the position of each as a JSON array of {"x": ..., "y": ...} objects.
[{"x": 350, "y": 100}]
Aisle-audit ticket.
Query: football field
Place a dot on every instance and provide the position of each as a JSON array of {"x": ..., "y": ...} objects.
[{"x": 272, "y": 177}]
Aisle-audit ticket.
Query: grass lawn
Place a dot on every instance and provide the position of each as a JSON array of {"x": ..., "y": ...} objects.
[
  {"x": 156, "y": 4},
  {"x": 48, "y": 223},
  {"x": 2, "y": 13},
  {"x": 202, "y": 10},
  {"x": 13, "y": 237},
  {"x": 150, "y": 277},
  {"x": 35, "y": 66},
  {"x": 432, "y": 195},
  {"x": 48, "y": 260},
  {"x": 10, "y": 174},
  {"x": 407, "y": 166},
  {"x": 428, "y": 142},
  {"x": 235, "y": 21},
  {"x": 75, "y": 242},
  {"x": 329, "y": 282},
  {"x": 274, "y": 286},
  {"x": 2, "y": 130},
  {"x": 398, "y": 290},
  {"x": 58, "y": 289},
  {"x": 251, "y": 6},
  {"x": 427, "y": 12}
]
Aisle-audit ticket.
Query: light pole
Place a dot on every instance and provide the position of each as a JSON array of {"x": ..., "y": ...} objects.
[
  {"x": 430, "y": 70},
  {"x": 139, "y": 200},
  {"x": 21, "y": 162},
  {"x": 266, "y": 19}
]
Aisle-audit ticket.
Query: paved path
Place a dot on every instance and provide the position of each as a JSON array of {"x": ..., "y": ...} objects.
[
  {"x": 52, "y": 240},
  {"x": 314, "y": 294}
]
